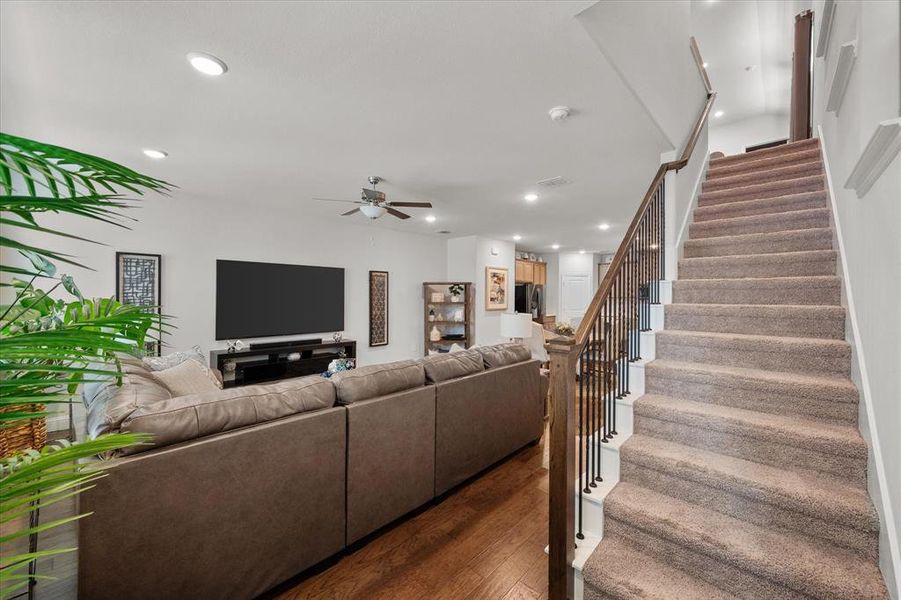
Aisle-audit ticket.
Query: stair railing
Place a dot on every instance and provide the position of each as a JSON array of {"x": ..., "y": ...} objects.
[{"x": 590, "y": 371}]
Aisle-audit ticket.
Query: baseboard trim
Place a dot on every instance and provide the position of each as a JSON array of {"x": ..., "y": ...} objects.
[{"x": 876, "y": 484}]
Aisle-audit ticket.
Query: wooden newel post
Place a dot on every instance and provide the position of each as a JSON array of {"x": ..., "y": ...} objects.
[{"x": 562, "y": 477}]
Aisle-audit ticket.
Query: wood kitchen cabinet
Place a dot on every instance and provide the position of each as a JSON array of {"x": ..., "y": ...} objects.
[{"x": 530, "y": 271}]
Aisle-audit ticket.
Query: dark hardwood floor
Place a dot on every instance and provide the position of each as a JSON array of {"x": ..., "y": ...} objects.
[{"x": 484, "y": 540}]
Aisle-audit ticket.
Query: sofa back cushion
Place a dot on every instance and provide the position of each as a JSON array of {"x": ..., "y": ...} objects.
[
  {"x": 188, "y": 377},
  {"x": 108, "y": 404},
  {"x": 441, "y": 367},
  {"x": 377, "y": 380},
  {"x": 501, "y": 355},
  {"x": 188, "y": 417}
]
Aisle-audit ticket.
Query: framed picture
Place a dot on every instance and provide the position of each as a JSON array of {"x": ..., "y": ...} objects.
[
  {"x": 138, "y": 279},
  {"x": 495, "y": 288},
  {"x": 378, "y": 308}
]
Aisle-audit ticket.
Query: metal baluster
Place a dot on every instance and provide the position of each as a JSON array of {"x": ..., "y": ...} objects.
[
  {"x": 582, "y": 437},
  {"x": 602, "y": 421},
  {"x": 663, "y": 230}
]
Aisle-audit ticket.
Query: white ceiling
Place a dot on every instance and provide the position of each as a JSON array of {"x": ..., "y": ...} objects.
[
  {"x": 446, "y": 101},
  {"x": 735, "y": 34}
]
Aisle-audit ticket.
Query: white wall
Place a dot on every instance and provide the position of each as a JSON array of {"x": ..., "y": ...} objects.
[
  {"x": 736, "y": 136},
  {"x": 654, "y": 62},
  {"x": 191, "y": 236},
  {"x": 467, "y": 258},
  {"x": 869, "y": 234},
  {"x": 552, "y": 287}
]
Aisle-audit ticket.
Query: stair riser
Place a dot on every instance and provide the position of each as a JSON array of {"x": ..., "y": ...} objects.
[
  {"x": 705, "y": 292},
  {"x": 786, "y": 160},
  {"x": 722, "y": 495},
  {"x": 713, "y": 569},
  {"x": 824, "y": 328},
  {"x": 757, "y": 446},
  {"x": 805, "y": 241},
  {"x": 800, "y": 360},
  {"x": 781, "y": 173},
  {"x": 823, "y": 403},
  {"x": 766, "y": 154},
  {"x": 760, "y": 224},
  {"x": 761, "y": 207},
  {"x": 762, "y": 191},
  {"x": 756, "y": 266}
]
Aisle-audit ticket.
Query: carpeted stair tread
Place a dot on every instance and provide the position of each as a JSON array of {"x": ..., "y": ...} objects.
[
  {"x": 775, "y": 173},
  {"x": 760, "y": 243},
  {"x": 833, "y": 399},
  {"x": 797, "y": 156},
  {"x": 809, "y": 218},
  {"x": 759, "y": 191},
  {"x": 785, "y": 561},
  {"x": 777, "y": 204},
  {"x": 828, "y": 500},
  {"x": 766, "y": 153},
  {"x": 764, "y": 319},
  {"x": 782, "y": 264},
  {"x": 618, "y": 570},
  {"x": 821, "y": 290},
  {"x": 826, "y": 438},
  {"x": 780, "y": 353}
]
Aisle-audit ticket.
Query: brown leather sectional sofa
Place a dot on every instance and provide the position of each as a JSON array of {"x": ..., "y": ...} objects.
[{"x": 245, "y": 495}]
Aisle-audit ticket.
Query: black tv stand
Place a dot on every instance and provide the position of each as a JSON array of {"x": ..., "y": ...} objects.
[
  {"x": 265, "y": 345},
  {"x": 281, "y": 360}
]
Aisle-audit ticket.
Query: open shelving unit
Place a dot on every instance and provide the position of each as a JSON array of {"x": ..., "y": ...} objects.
[{"x": 454, "y": 319}]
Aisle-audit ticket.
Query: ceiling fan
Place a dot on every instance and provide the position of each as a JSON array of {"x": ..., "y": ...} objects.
[{"x": 373, "y": 203}]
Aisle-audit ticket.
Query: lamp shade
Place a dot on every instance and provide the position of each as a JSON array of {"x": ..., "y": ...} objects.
[
  {"x": 516, "y": 325},
  {"x": 372, "y": 211}
]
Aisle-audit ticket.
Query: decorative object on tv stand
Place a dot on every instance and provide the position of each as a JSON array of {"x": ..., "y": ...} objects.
[
  {"x": 456, "y": 292},
  {"x": 138, "y": 278},
  {"x": 340, "y": 364},
  {"x": 378, "y": 308},
  {"x": 337, "y": 336},
  {"x": 516, "y": 326},
  {"x": 495, "y": 288},
  {"x": 234, "y": 345}
]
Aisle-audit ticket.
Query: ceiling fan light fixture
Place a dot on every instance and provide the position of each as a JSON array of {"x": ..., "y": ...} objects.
[{"x": 371, "y": 211}]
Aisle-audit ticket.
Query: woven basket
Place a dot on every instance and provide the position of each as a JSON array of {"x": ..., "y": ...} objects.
[{"x": 23, "y": 434}]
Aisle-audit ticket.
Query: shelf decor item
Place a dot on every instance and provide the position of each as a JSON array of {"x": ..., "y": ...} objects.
[
  {"x": 435, "y": 334},
  {"x": 456, "y": 292},
  {"x": 138, "y": 279},
  {"x": 495, "y": 288},
  {"x": 378, "y": 308}
]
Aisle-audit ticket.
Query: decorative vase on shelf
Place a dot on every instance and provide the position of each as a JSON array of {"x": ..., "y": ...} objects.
[
  {"x": 456, "y": 291},
  {"x": 431, "y": 314},
  {"x": 435, "y": 334}
]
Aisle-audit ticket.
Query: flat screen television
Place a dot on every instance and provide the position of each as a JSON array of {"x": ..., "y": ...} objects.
[{"x": 255, "y": 299}]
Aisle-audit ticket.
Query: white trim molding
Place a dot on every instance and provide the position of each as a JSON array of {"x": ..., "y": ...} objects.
[
  {"x": 879, "y": 153},
  {"x": 847, "y": 56},
  {"x": 825, "y": 27}
]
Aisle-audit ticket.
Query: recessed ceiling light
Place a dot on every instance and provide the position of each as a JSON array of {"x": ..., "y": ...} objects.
[
  {"x": 155, "y": 154},
  {"x": 517, "y": 237},
  {"x": 430, "y": 218},
  {"x": 718, "y": 114},
  {"x": 581, "y": 252},
  {"x": 604, "y": 226},
  {"x": 530, "y": 197},
  {"x": 555, "y": 246},
  {"x": 704, "y": 65},
  {"x": 207, "y": 63}
]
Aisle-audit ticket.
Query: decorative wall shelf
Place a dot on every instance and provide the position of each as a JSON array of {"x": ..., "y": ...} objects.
[
  {"x": 825, "y": 28},
  {"x": 847, "y": 55},
  {"x": 879, "y": 153}
]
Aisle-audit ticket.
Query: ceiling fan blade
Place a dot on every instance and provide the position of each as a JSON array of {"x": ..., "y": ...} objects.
[
  {"x": 333, "y": 200},
  {"x": 350, "y": 212},
  {"x": 412, "y": 204},
  {"x": 396, "y": 213}
]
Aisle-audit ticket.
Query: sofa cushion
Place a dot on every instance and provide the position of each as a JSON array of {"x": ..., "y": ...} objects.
[
  {"x": 377, "y": 380},
  {"x": 188, "y": 377},
  {"x": 442, "y": 367},
  {"x": 167, "y": 361},
  {"x": 188, "y": 417},
  {"x": 108, "y": 404},
  {"x": 501, "y": 355}
]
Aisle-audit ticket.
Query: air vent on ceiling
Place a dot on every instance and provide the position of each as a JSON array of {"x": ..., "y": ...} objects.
[
  {"x": 444, "y": 231},
  {"x": 553, "y": 182}
]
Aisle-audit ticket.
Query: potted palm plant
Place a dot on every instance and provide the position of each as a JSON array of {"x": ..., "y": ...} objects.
[{"x": 52, "y": 338}]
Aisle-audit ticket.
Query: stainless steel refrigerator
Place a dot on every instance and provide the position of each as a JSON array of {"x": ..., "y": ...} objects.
[{"x": 530, "y": 299}]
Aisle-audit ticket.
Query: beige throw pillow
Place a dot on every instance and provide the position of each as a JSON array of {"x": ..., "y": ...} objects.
[{"x": 188, "y": 377}]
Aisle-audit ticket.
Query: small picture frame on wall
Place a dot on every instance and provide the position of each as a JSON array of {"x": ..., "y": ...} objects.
[
  {"x": 378, "y": 308},
  {"x": 495, "y": 288},
  {"x": 138, "y": 278}
]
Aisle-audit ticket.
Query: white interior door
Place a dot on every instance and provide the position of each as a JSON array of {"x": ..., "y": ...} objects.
[{"x": 575, "y": 294}]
